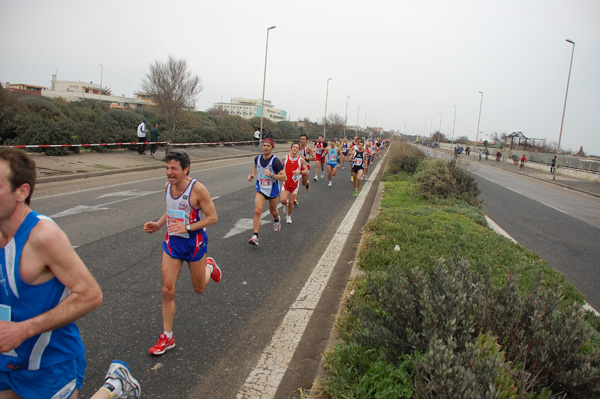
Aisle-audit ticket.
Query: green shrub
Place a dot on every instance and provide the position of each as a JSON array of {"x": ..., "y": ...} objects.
[
  {"x": 404, "y": 157},
  {"x": 439, "y": 179},
  {"x": 448, "y": 306}
]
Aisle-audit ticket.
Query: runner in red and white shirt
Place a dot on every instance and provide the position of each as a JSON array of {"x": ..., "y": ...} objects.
[
  {"x": 320, "y": 158},
  {"x": 295, "y": 168},
  {"x": 308, "y": 154}
]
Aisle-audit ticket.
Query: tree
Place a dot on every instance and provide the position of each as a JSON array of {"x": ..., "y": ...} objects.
[
  {"x": 173, "y": 87},
  {"x": 439, "y": 137}
]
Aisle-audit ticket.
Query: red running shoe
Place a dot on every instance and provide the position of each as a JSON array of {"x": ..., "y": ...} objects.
[
  {"x": 162, "y": 345},
  {"x": 216, "y": 273}
]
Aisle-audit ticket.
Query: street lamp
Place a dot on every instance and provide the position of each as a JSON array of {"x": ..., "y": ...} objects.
[
  {"x": 346, "y": 118},
  {"x": 262, "y": 106},
  {"x": 453, "y": 125},
  {"x": 478, "y": 120},
  {"x": 564, "y": 109},
  {"x": 325, "y": 121},
  {"x": 101, "y": 74},
  {"x": 357, "y": 125}
]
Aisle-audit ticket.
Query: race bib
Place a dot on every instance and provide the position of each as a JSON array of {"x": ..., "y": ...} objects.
[
  {"x": 358, "y": 161},
  {"x": 174, "y": 216}
]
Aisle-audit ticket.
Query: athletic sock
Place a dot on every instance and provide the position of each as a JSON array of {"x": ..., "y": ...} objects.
[
  {"x": 169, "y": 335},
  {"x": 113, "y": 386}
]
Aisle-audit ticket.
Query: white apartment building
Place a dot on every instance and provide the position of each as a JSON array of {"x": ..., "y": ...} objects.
[
  {"x": 74, "y": 91},
  {"x": 250, "y": 108}
]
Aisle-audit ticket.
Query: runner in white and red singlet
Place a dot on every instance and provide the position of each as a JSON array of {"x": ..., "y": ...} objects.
[
  {"x": 308, "y": 154},
  {"x": 295, "y": 167},
  {"x": 320, "y": 158}
]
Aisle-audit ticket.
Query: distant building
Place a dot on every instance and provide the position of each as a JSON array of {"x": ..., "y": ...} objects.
[
  {"x": 75, "y": 91},
  {"x": 250, "y": 108},
  {"x": 23, "y": 88}
]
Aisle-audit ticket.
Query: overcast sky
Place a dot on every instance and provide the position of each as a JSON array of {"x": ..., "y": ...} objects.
[{"x": 405, "y": 63}]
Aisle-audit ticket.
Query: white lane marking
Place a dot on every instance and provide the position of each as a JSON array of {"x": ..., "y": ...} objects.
[
  {"x": 245, "y": 224},
  {"x": 265, "y": 378},
  {"x": 513, "y": 190},
  {"x": 556, "y": 209},
  {"x": 103, "y": 207},
  {"x": 130, "y": 183}
]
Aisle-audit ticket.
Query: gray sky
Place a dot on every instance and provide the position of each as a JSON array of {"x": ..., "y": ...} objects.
[{"x": 403, "y": 62}]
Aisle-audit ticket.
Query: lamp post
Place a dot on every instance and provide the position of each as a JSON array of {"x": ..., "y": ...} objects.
[
  {"x": 564, "y": 109},
  {"x": 453, "y": 126},
  {"x": 478, "y": 120},
  {"x": 262, "y": 106},
  {"x": 346, "y": 118},
  {"x": 325, "y": 120},
  {"x": 101, "y": 74},
  {"x": 357, "y": 125}
]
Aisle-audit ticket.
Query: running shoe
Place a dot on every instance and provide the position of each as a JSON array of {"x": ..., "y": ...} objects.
[
  {"x": 216, "y": 273},
  {"x": 296, "y": 202},
  {"x": 288, "y": 220},
  {"x": 343, "y": 167},
  {"x": 276, "y": 226},
  {"x": 322, "y": 176},
  {"x": 253, "y": 241},
  {"x": 316, "y": 178},
  {"x": 307, "y": 187},
  {"x": 329, "y": 185},
  {"x": 130, "y": 387},
  {"x": 162, "y": 345},
  {"x": 351, "y": 178}
]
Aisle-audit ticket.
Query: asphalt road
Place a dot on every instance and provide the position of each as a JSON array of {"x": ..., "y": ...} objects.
[
  {"x": 220, "y": 334},
  {"x": 560, "y": 225}
]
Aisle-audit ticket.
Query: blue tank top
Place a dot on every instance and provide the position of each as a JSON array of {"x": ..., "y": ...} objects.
[
  {"x": 266, "y": 184},
  {"x": 21, "y": 301},
  {"x": 332, "y": 156}
]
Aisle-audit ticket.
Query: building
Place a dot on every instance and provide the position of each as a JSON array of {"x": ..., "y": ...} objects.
[
  {"x": 75, "y": 91},
  {"x": 23, "y": 88},
  {"x": 250, "y": 108}
]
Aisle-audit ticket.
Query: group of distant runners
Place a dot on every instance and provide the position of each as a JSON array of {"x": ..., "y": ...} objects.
[{"x": 45, "y": 287}]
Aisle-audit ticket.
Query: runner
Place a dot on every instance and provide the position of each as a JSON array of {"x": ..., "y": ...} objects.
[
  {"x": 368, "y": 158},
  {"x": 333, "y": 152},
  {"x": 309, "y": 155},
  {"x": 189, "y": 211},
  {"x": 268, "y": 171},
  {"x": 44, "y": 288},
  {"x": 357, "y": 159},
  {"x": 295, "y": 168},
  {"x": 319, "y": 146},
  {"x": 345, "y": 149}
]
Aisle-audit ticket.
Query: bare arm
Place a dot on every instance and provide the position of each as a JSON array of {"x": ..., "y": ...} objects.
[{"x": 48, "y": 253}]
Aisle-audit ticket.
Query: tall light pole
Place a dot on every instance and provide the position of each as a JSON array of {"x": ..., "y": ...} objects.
[
  {"x": 346, "y": 118},
  {"x": 478, "y": 120},
  {"x": 357, "y": 125},
  {"x": 440, "y": 128},
  {"x": 262, "y": 106},
  {"x": 325, "y": 120},
  {"x": 564, "y": 109},
  {"x": 101, "y": 74},
  {"x": 453, "y": 126}
]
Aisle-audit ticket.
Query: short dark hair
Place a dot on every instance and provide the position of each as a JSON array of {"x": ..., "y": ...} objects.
[
  {"x": 22, "y": 169},
  {"x": 181, "y": 156},
  {"x": 295, "y": 143},
  {"x": 304, "y": 135}
]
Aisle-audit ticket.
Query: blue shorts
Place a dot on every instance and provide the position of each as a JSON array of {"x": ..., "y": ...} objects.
[
  {"x": 59, "y": 380},
  {"x": 188, "y": 249}
]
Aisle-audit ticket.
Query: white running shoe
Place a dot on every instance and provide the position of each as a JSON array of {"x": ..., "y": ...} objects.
[
  {"x": 119, "y": 371},
  {"x": 276, "y": 226},
  {"x": 329, "y": 185},
  {"x": 288, "y": 220},
  {"x": 253, "y": 241},
  {"x": 322, "y": 175},
  {"x": 316, "y": 178}
]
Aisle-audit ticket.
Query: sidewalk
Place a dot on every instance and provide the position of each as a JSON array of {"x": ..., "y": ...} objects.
[{"x": 572, "y": 183}]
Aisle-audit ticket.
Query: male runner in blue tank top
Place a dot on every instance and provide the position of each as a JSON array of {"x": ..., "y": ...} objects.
[
  {"x": 268, "y": 171},
  {"x": 44, "y": 288},
  {"x": 189, "y": 211}
]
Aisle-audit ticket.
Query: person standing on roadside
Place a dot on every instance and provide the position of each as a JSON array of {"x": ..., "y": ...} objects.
[
  {"x": 44, "y": 288},
  {"x": 190, "y": 210},
  {"x": 141, "y": 135},
  {"x": 268, "y": 171},
  {"x": 154, "y": 137},
  {"x": 552, "y": 165},
  {"x": 256, "y": 138},
  {"x": 523, "y": 161}
]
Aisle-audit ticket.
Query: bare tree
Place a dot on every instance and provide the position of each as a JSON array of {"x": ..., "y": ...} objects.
[{"x": 173, "y": 87}]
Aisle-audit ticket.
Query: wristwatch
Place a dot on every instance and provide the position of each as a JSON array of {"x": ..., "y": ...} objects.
[{"x": 188, "y": 227}]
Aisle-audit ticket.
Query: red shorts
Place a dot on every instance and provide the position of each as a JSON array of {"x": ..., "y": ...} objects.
[{"x": 319, "y": 157}]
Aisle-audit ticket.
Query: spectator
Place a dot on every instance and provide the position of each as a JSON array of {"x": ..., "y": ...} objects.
[
  {"x": 141, "y": 134},
  {"x": 154, "y": 137}
]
